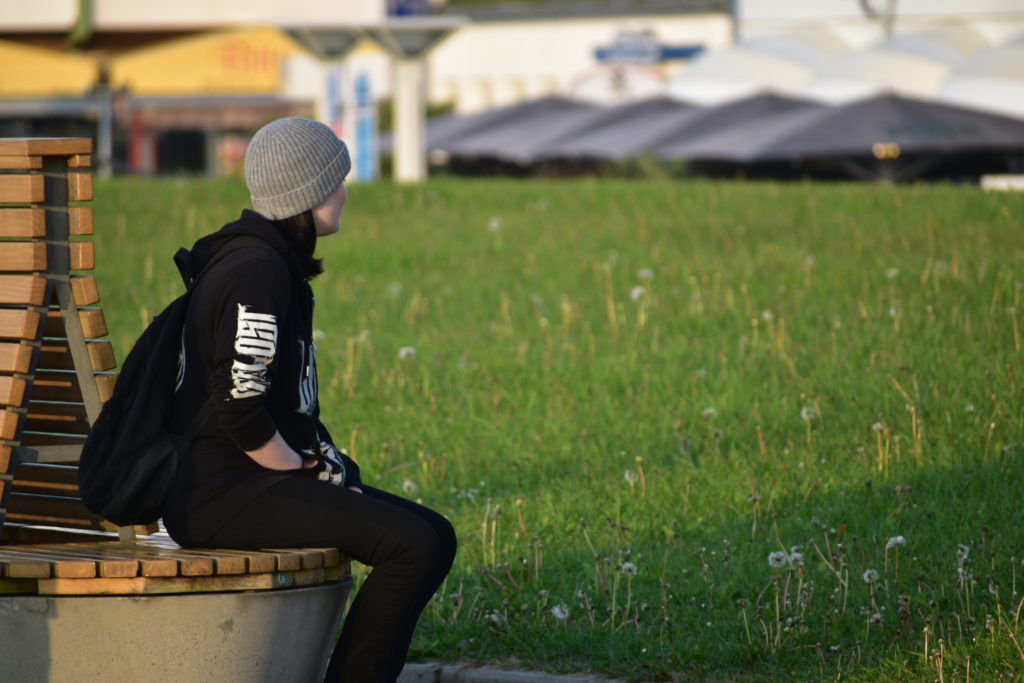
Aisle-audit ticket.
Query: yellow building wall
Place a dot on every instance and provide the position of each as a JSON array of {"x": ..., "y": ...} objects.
[
  {"x": 243, "y": 61},
  {"x": 30, "y": 71}
]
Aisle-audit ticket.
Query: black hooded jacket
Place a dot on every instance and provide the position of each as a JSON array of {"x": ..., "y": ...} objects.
[{"x": 247, "y": 343}]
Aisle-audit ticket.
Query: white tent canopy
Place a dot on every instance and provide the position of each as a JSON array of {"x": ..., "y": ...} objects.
[
  {"x": 914, "y": 64},
  {"x": 782, "y": 63},
  {"x": 991, "y": 79}
]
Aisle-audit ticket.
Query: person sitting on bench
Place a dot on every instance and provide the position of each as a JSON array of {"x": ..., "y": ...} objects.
[{"x": 264, "y": 471}]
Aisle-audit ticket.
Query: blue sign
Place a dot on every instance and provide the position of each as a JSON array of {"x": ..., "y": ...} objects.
[
  {"x": 405, "y": 8},
  {"x": 642, "y": 47},
  {"x": 366, "y": 130}
]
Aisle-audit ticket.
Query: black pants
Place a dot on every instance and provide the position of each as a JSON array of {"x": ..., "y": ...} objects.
[{"x": 410, "y": 547}]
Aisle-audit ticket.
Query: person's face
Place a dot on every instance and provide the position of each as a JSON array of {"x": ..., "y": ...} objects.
[{"x": 327, "y": 216}]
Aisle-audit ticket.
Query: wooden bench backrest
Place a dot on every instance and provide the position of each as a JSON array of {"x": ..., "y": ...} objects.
[{"x": 54, "y": 366}]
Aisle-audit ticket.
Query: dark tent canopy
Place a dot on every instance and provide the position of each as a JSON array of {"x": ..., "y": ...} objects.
[
  {"x": 887, "y": 125},
  {"x": 736, "y": 131},
  {"x": 621, "y": 132},
  {"x": 515, "y": 133},
  {"x": 915, "y": 126}
]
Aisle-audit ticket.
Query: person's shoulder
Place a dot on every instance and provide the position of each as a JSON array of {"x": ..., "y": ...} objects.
[{"x": 254, "y": 253}]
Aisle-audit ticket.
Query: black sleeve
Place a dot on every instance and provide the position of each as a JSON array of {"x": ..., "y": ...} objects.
[{"x": 253, "y": 301}]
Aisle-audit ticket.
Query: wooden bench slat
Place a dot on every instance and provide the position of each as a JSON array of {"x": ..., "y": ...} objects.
[
  {"x": 80, "y": 187},
  {"x": 284, "y": 561},
  {"x": 155, "y": 586},
  {"x": 15, "y": 357},
  {"x": 22, "y": 222},
  {"x": 62, "y": 385},
  {"x": 59, "y": 418},
  {"x": 36, "y": 439},
  {"x": 16, "y": 533},
  {"x": 27, "y": 290},
  {"x": 62, "y": 564},
  {"x": 18, "y": 586},
  {"x": 45, "y": 146},
  {"x": 222, "y": 563},
  {"x": 113, "y": 560},
  {"x": 54, "y": 354},
  {"x": 33, "y": 477},
  {"x": 8, "y": 424},
  {"x": 16, "y": 566},
  {"x": 23, "y": 257},
  {"x": 18, "y": 323},
  {"x": 91, "y": 318},
  {"x": 10, "y": 163},
  {"x": 84, "y": 290},
  {"x": 80, "y": 220},
  {"x": 12, "y": 392},
  {"x": 22, "y": 189},
  {"x": 82, "y": 255},
  {"x": 5, "y": 461},
  {"x": 53, "y": 510},
  {"x": 80, "y": 161}
]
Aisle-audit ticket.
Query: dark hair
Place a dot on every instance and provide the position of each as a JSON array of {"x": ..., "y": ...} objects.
[{"x": 300, "y": 231}]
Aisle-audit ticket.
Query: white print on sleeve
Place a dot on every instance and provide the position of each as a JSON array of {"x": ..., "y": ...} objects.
[{"x": 255, "y": 336}]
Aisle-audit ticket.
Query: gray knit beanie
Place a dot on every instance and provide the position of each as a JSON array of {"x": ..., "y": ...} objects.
[{"x": 293, "y": 165}]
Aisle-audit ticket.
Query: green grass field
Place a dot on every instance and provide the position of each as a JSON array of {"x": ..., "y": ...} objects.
[{"x": 686, "y": 431}]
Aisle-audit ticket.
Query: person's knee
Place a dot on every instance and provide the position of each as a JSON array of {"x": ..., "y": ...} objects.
[{"x": 448, "y": 542}]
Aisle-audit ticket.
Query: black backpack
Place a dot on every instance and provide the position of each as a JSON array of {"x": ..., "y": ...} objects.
[{"x": 130, "y": 457}]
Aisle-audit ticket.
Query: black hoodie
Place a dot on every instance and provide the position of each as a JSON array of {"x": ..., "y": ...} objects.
[{"x": 248, "y": 343}]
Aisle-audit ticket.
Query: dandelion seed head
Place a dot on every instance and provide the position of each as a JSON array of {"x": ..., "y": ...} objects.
[
  {"x": 878, "y": 427},
  {"x": 869, "y": 576},
  {"x": 875, "y": 618},
  {"x": 494, "y": 224},
  {"x": 777, "y": 559},
  {"x": 319, "y": 336},
  {"x": 560, "y": 612},
  {"x": 969, "y": 408},
  {"x": 406, "y": 352},
  {"x": 807, "y": 413},
  {"x": 364, "y": 336},
  {"x": 766, "y": 315},
  {"x": 409, "y": 486},
  {"x": 892, "y": 273},
  {"x": 628, "y": 568},
  {"x": 709, "y": 413},
  {"x": 631, "y": 476},
  {"x": 645, "y": 274},
  {"x": 394, "y": 290},
  {"x": 895, "y": 542},
  {"x": 637, "y": 293}
]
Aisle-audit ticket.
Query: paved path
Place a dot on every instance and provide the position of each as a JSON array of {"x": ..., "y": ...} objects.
[{"x": 455, "y": 673}]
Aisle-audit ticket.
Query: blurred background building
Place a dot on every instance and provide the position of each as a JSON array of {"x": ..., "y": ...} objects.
[{"x": 180, "y": 87}]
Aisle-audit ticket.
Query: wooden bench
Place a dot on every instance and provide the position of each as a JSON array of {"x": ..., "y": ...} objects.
[{"x": 66, "y": 573}]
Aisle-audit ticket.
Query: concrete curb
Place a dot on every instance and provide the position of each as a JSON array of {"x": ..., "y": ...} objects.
[{"x": 454, "y": 673}]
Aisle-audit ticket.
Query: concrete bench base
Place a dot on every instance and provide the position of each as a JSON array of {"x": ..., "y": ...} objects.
[{"x": 250, "y": 637}]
